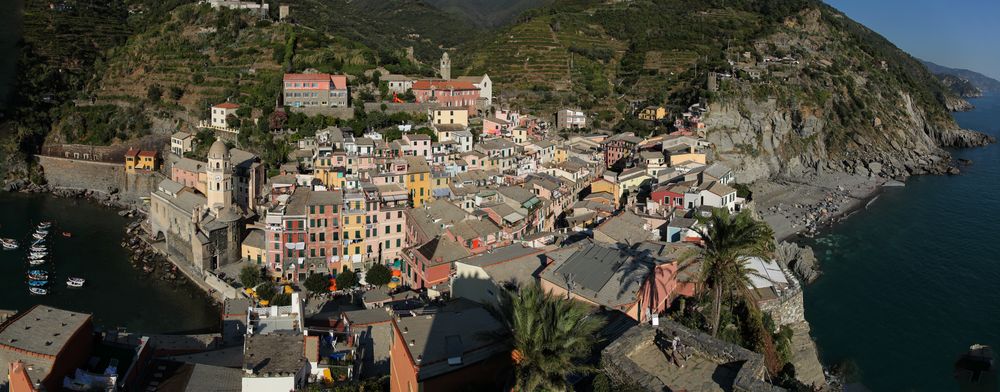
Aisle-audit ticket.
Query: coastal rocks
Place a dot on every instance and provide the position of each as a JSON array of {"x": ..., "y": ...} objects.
[
  {"x": 800, "y": 260},
  {"x": 145, "y": 258},
  {"x": 963, "y": 138}
]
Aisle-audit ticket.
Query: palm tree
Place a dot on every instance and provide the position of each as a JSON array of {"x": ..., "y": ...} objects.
[
  {"x": 729, "y": 241},
  {"x": 549, "y": 335}
]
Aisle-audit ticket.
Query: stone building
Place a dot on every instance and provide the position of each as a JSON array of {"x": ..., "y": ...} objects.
[{"x": 204, "y": 230}]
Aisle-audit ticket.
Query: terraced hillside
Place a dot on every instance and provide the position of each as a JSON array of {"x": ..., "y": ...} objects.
[{"x": 202, "y": 56}]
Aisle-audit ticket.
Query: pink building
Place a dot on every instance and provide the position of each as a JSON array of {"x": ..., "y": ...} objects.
[
  {"x": 318, "y": 89},
  {"x": 447, "y": 93},
  {"x": 417, "y": 144}
]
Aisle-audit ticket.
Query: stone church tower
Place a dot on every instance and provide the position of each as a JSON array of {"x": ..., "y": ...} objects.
[
  {"x": 220, "y": 177},
  {"x": 445, "y": 66}
]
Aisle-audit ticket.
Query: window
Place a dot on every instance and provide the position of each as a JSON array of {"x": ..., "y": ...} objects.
[
  {"x": 312, "y": 252},
  {"x": 322, "y": 237},
  {"x": 312, "y": 237},
  {"x": 312, "y": 209},
  {"x": 398, "y": 242},
  {"x": 357, "y": 233},
  {"x": 387, "y": 230},
  {"x": 399, "y": 229},
  {"x": 387, "y": 242},
  {"x": 322, "y": 252}
]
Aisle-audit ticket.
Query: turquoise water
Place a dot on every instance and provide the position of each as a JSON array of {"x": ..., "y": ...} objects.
[
  {"x": 909, "y": 284},
  {"x": 117, "y": 294}
]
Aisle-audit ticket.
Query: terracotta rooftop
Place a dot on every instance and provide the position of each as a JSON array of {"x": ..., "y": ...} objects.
[{"x": 227, "y": 105}]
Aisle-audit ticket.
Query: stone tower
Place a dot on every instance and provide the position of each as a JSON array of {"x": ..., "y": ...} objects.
[
  {"x": 220, "y": 177},
  {"x": 445, "y": 66}
]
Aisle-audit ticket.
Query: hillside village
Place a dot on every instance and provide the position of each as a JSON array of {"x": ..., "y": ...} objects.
[{"x": 352, "y": 253}]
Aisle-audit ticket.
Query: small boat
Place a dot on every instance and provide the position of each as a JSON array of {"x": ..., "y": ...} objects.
[
  {"x": 9, "y": 246},
  {"x": 38, "y": 248},
  {"x": 75, "y": 282},
  {"x": 67, "y": 234},
  {"x": 37, "y": 291},
  {"x": 38, "y": 275},
  {"x": 44, "y": 225},
  {"x": 38, "y": 283},
  {"x": 38, "y": 255},
  {"x": 36, "y": 261},
  {"x": 38, "y": 236}
]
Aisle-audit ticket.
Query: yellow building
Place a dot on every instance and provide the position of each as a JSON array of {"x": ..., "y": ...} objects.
[
  {"x": 450, "y": 116},
  {"x": 561, "y": 154},
  {"x": 252, "y": 248},
  {"x": 688, "y": 154},
  {"x": 354, "y": 216},
  {"x": 141, "y": 160},
  {"x": 603, "y": 185},
  {"x": 653, "y": 113},
  {"x": 418, "y": 181}
]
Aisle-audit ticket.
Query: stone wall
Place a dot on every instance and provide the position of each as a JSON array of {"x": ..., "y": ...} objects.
[
  {"x": 104, "y": 177},
  {"x": 618, "y": 364},
  {"x": 344, "y": 113},
  {"x": 407, "y": 107},
  {"x": 788, "y": 309}
]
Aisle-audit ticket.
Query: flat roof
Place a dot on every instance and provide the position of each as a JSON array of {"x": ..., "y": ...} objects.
[
  {"x": 274, "y": 355},
  {"x": 42, "y": 329}
]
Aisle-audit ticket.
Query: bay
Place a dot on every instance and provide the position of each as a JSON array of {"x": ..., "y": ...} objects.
[
  {"x": 116, "y": 293},
  {"x": 910, "y": 283}
]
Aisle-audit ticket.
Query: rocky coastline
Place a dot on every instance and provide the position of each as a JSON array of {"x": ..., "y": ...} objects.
[{"x": 109, "y": 198}]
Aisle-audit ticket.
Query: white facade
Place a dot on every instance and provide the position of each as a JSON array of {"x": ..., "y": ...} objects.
[{"x": 220, "y": 112}]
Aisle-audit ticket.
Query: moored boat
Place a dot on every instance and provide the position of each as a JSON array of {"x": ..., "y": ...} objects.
[
  {"x": 44, "y": 225},
  {"x": 38, "y": 236},
  {"x": 38, "y": 283},
  {"x": 36, "y": 261},
  {"x": 38, "y": 255},
  {"x": 39, "y": 248},
  {"x": 38, "y": 275},
  {"x": 75, "y": 282},
  {"x": 37, "y": 291},
  {"x": 67, "y": 234}
]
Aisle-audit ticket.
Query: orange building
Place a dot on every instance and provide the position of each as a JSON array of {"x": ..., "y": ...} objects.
[
  {"x": 448, "y": 351},
  {"x": 136, "y": 160}
]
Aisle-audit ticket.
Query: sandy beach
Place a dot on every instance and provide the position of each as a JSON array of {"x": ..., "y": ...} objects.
[{"x": 802, "y": 207}]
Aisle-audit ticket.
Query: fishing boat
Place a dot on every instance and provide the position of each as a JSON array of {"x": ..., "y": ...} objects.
[
  {"x": 37, "y": 291},
  {"x": 8, "y": 243},
  {"x": 38, "y": 275},
  {"x": 75, "y": 282},
  {"x": 38, "y": 236},
  {"x": 38, "y": 283}
]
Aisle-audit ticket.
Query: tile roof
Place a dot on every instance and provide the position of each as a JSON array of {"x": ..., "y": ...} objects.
[
  {"x": 607, "y": 276},
  {"x": 227, "y": 105},
  {"x": 442, "y": 250},
  {"x": 426, "y": 84}
]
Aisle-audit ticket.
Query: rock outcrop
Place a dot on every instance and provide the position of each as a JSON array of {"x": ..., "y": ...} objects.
[
  {"x": 963, "y": 138},
  {"x": 798, "y": 259}
]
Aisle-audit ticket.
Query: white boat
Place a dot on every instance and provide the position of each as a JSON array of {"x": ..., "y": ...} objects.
[
  {"x": 37, "y": 291},
  {"x": 38, "y": 275},
  {"x": 39, "y": 248},
  {"x": 44, "y": 225},
  {"x": 9, "y": 246},
  {"x": 75, "y": 282},
  {"x": 38, "y": 255},
  {"x": 38, "y": 236},
  {"x": 36, "y": 261}
]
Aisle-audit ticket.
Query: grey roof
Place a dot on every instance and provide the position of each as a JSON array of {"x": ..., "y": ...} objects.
[
  {"x": 474, "y": 228},
  {"x": 518, "y": 194},
  {"x": 42, "y": 329},
  {"x": 500, "y": 255},
  {"x": 274, "y": 354},
  {"x": 180, "y": 135},
  {"x": 455, "y": 331},
  {"x": 236, "y": 306},
  {"x": 255, "y": 238},
  {"x": 607, "y": 276},
  {"x": 442, "y": 250},
  {"x": 188, "y": 377},
  {"x": 380, "y": 294},
  {"x": 368, "y": 316},
  {"x": 188, "y": 164},
  {"x": 513, "y": 263},
  {"x": 626, "y": 228},
  {"x": 717, "y": 170}
]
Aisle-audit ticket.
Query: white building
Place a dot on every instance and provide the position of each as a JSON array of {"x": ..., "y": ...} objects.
[
  {"x": 181, "y": 142},
  {"x": 485, "y": 85},
  {"x": 219, "y": 114},
  {"x": 570, "y": 119}
]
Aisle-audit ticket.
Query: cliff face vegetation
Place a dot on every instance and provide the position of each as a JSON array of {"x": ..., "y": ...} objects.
[{"x": 849, "y": 102}]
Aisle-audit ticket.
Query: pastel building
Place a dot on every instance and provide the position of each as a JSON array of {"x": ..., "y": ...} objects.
[
  {"x": 316, "y": 90},
  {"x": 447, "y": 93}
]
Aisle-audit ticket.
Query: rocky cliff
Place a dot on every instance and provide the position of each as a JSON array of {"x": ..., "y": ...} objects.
[{"x": 850, "y": 102}]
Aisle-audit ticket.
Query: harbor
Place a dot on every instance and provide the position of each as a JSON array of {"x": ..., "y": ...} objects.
[{"x": 80, "y": 264}]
